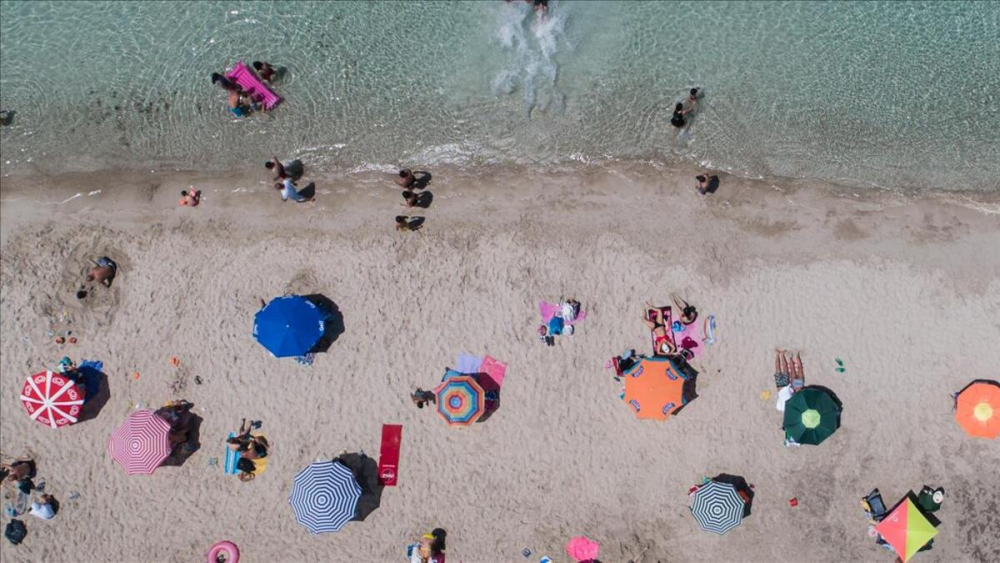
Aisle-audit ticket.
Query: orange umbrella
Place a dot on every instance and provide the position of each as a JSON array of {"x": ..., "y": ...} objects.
[
  {"x": 654, "y": 388},
  {"x": 977, "y": 409}
]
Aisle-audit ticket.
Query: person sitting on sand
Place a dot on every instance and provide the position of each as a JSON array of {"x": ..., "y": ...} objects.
[
  {"x": 688, "y": 313},
  {"x": 403, "y": 223},
  {"x": 279, "y": 169},
  {"x": 18, "y": 470},
  {"x": 103, "y": 272},
  {"x": 248, "y": 445},
  {"x": 288, "y": 192},
  {"x": 678, "y": 120},
  {"x": 44, "y": 507},
  {"x": 421, "y": 397},
  {"x": 246, "y": 468},
  {"x": 663, "y": 343},
  {"x": 264, "y": 70},
  {"x": 190, "y": 199},
  {"x": 406, "y": 178},
  {"x": 178, "y": 414},
  {"x": 409, "y": 199},
  {"x": 707, "y": 183}
]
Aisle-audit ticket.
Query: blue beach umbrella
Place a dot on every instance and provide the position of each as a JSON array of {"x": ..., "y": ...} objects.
[
  {"x": 324, "y": 496},
  {"x": 289, "y": 326}
]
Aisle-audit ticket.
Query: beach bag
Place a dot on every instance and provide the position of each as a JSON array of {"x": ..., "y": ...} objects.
[{"x": 15, "y": 531}]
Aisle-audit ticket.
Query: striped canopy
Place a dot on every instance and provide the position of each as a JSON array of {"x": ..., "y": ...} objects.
[
  {"x": 718, "y": 507},
  {"x": 52, "y": 399},
  {"x": 324, "y": 496},
  {"x": 460, "y": 400},
  {"x": 141, "y": 444}
]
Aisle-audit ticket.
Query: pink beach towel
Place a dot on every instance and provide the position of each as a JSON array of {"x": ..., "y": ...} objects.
[
  {"x": 549, "y": 310},
  {"x": 495, "y": 370},
  {"x": 253, "y": 86},
  {"x": 692, "y": 338}
]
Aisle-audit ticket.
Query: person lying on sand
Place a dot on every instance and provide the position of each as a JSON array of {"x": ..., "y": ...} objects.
[
  {"x": 103, "y": 272},
  {"x": 663, "y": 344},
  {"x": 249, "y": 446},
  {"x": 18, "y": 470}
]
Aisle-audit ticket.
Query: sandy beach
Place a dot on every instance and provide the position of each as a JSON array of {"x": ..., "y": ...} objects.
[{"x": 904, "y": 289}]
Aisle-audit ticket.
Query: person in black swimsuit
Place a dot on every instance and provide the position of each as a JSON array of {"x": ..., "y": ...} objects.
[{"x": 678, "y": 120}]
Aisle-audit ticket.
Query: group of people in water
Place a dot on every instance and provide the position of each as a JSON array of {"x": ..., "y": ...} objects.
[{"x": 241, "y": 103}]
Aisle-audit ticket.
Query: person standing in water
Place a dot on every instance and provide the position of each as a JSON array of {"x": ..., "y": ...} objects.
[{"x": 678, "y": 120}]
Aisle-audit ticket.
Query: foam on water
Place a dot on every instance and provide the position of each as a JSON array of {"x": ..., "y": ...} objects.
[{"x": 863, "y": 93}]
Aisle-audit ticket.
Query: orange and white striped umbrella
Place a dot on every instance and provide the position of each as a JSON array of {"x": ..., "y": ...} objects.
[{"x": 52, "y": 399}]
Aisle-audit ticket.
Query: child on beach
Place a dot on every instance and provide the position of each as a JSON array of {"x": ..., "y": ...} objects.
[{"x": 405, "y": 223}]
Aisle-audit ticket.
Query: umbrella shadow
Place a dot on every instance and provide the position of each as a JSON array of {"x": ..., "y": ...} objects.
[
  {"x": 689, "y": 391},
  {"x": 492, "y": 391},
  {"x": 333, "y": 322},
  {"x": 98, "y": 392},
  {"x": 365, "y": 471},
  {"x": 182, "y": 452}
]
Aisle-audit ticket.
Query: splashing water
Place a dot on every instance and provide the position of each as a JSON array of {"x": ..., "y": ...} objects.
[{"x": 531, "y": 40}]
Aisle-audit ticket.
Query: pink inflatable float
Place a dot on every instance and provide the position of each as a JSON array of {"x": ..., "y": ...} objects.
[{"x": 224, "y": 552}]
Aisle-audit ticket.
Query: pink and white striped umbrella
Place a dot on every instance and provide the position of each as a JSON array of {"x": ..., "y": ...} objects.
[
  {"x": 141, "y": 444},
  {"x": 52, "y": 399}
]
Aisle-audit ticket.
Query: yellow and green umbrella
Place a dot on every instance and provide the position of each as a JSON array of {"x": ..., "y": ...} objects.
[
  {"x": 906, "y": 528},
  {"x": 812, "y": 415}
]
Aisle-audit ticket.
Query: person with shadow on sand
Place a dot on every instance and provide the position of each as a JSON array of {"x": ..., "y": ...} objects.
[
  {"x": 288, "y": 192},
  {"x": 407, "y": 223},
  {"x": 707, "y": 183}
]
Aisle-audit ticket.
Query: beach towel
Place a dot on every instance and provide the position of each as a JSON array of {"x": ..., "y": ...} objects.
[
  {"x": 388, "y": 458},
  {"x": 550, "y": 310},
  {"x": 690, "y": 337},
  {"x": 253, "y": 86},
  {"x": 494, "y": 370},
  {"x": 468, "y": 363}
]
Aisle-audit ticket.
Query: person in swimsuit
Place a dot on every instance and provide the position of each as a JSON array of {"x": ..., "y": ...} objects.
[
  {"x": 264, "y": 70},
  {"x": 678, "y": 120},
  {"x": 224, "y": 82},
  {"x": 190, "y": 199},
  {"x": 421, "y": 397},
  {"x": 103, "y": 272},
  {"x": 707, "y": 183},
  {"x": 279, "y": 169},
  {"x": 688, "y": 313},
  {"x": 540, "y": 6},
  {"x": 406, "y": 178},
  {"x": 238, "y": 105},
  {"x": 663, "y": 344}
]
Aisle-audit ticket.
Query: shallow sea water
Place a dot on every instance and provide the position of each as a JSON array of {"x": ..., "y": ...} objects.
[{"x": 865, "y": 94}]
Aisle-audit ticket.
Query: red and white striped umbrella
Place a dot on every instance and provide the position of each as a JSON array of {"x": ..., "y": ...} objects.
[
  {"x": 141, "y": 444},
  {"x": 52, "y": 399}
]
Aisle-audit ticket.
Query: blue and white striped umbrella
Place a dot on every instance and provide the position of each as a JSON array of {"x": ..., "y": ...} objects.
[
  {"x": 324, "y": 496},
  {"x": 717, "y": 507}
]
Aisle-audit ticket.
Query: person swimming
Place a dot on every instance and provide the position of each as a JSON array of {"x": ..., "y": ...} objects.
[
  {"x": 224, "y": 82},
  {"x": 265, "y": 70}
]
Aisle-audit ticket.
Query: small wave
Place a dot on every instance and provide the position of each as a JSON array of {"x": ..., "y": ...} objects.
[{"x": 531, "y": 41}]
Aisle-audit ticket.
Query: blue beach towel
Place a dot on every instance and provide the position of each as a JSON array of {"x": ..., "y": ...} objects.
[{"x": 231, "y": 458}]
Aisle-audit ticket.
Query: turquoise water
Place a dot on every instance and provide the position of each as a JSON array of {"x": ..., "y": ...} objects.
[{"x": 865, "y": 94}]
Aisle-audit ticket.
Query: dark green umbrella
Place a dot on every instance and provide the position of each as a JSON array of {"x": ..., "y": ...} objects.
[{"x": 812, "y": 415}]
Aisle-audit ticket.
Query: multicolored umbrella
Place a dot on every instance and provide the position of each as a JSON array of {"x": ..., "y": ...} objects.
[
  {"x": 141, "y": 444},
  {"x": 52, "y": 399},
  {"x": 718, "y": 506},
  {"x": 289, "y": 326},
  {"x": 906, "y": 528},
  {"x": 655, "y": 388},
  {"x": 461, "y": 401},
  {"x": 324, "y": 496},
  {"x": 977, "y": 409},
  {"x": 811, "y": 415}
]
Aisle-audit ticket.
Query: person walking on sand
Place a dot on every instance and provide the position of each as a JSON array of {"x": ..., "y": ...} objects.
[
  {"x": 421, "y": 397},
  {"x": 406, "y": 179},
  {"x": 279, "y": 170},
  {"x": 103, "y": 272},
  {"x": 288, "y": 192}
]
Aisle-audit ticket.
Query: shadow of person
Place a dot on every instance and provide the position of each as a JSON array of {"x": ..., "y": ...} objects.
[
  {"x": 365, "y": 471},
  {"x": 333, "y": 325},
  {"x": 423, "y": 200},
  {"x": 415, "y": 223},
  {"x": 98, "y": 391},
  {"x": 295, "y": 169},
  {"x": 308, "y": 192},
  {"x": 421, "y": 179}
]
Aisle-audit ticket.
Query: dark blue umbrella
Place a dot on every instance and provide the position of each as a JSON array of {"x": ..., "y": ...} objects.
[
  {"x": 325, "y": 496},
  {"x": 289, "y": 326}
]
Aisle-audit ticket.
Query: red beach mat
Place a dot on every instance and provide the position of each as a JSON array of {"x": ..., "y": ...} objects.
[{"x": 388, "y": 458}]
